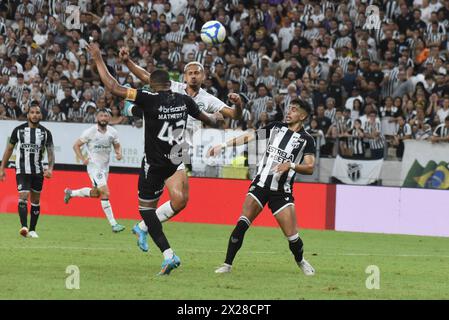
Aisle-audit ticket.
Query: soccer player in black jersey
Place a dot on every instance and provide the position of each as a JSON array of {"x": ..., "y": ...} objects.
[
  {"x": 31, "y": 139},
  {"x": 165, "y": 115},
  {"x": 290, "y": 150},
  {"x": 177, "y": 185}
]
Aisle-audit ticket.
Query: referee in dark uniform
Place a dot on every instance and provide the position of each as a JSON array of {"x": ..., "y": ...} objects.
[{"x": 31, "y": 140}]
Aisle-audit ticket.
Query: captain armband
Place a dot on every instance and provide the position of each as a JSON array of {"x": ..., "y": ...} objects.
[{"x": 131, "y": 94}]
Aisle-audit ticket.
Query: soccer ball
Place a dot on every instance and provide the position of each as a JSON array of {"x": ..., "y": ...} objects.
[{"x": 213, "y": 32}]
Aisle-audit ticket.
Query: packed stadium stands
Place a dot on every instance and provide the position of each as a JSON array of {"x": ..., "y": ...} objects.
[{"x": 371, "y": 86}]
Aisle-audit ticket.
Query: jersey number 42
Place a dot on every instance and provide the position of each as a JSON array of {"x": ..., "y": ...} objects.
[{"x": 172, "y": 133}]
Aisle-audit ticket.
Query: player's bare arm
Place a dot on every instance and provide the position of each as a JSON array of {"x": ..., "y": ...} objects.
[
  {"x": 233, "y": 113},
  {"x": 51, "y": 161},
  {"x": 138, "y": 71},
  {"x": 77, "y": 148},
  {"x": 210, "y": 119},
  {"x": 305, "y": 168},
  {"x": 8, "y": 152},
  {"x": 108, "y": 80},
  {"x": 237, "y": 141},
  {"x": 118, "y": 151}
]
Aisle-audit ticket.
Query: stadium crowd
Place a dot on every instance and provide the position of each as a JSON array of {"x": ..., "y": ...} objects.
[{"x": 370, "y": 86}]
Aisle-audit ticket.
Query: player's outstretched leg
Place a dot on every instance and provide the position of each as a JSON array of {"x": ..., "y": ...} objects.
[
  {"x": 171, "y": 261},
  {"x": 286, "y": 219},
  {"x": 250, "y": 211},
  {"x": 82, "y": 193}
]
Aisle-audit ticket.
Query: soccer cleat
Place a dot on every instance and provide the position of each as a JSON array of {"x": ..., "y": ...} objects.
[
  {"x": 117, "y": 228},
  {"x": 33, "y": 234},
  {"x": 169, "y": 264},
  {"x": 23, "y": 232},
  {"x": 306, "y": 267},
  {"x": 67, "y": 195},
  {"x": 225, "y": 268},
  {"x": 142, "y": 242}
]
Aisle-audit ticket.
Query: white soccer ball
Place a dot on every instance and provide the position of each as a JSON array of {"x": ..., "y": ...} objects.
[{"x": 213, "y": 32}]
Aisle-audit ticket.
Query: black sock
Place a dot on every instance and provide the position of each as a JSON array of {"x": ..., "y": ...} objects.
[
  {"x": 155, "y": 228},
  {"x": 236, "y": 239},
  {"x": 296, "y": 247},
  {"x": 35, "y": 212},
  {"x": 23, "y": 212}
]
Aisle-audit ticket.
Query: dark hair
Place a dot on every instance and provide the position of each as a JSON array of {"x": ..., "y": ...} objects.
[
  {"x": 446, "y": 119},
  {"x": 303, "y": 105},
  {"x": 160, "y": 77}
]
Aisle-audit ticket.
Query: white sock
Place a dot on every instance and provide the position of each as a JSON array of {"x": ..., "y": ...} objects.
[
  {"x": 165, "y": 212},
  {"x": 108, "y": 211},
  {"x": 83, "y": 192},
  {"x": 143, "y": 226},
  {"x": 168, "y": 254}
]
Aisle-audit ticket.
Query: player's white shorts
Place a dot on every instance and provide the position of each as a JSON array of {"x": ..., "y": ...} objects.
[{"x": 98, "y": 177}]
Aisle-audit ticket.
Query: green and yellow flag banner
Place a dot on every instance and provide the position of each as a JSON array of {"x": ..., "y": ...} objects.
[{"x": 432, "y": 176}]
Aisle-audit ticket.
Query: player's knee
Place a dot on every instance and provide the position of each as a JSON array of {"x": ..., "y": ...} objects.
[
  {"x": 23, "y": 196},
  {"x": 104, "y": 194},
  {"x": 95, "y": 193},
  {"x": 179, "y": 202}
]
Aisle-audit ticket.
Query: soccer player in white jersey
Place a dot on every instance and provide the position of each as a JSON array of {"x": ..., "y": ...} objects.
[
  {"x": 99, "y": 140},
  {"x": 177, "y": 184},
  {"x": 290, "y": 150}
]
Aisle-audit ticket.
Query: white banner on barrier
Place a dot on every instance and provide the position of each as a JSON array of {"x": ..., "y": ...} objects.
[
  {"x": 65, "y": 135},
  {"x": 131, "y": 140},
  {"x": 360, "y": 172}
]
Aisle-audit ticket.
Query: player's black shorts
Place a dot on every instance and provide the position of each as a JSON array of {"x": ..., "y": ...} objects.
[
  {"x": 29, "y": 182},
  {"x": 277, "y": 200},
  {"x": 152, "y": 180}
]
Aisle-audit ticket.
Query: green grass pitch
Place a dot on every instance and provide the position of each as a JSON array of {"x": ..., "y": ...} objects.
[{"x": 112, "y": 267}]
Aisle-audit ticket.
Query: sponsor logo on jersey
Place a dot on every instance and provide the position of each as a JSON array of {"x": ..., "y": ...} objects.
[
  {"x": 297, "y": 141},
  {"x": 279, "y": 155},
  {"x": 30, "y": 147}
]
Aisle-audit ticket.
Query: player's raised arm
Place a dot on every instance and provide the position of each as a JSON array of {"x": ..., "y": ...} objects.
[
  {"x": 210, "y": 119},
  {"x": 233, "y": 113},
  {"x": 237, "y": 141},
  {"x": 108, "y": 80},
  {"x": 138, "y": 71}
]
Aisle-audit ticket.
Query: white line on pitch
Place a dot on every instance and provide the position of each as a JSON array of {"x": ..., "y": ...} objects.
[{"x": 219, "y": 251}]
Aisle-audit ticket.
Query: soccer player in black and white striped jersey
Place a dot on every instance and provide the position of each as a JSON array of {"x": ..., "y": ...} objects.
[
  {"x": 31, "y": 140},
  {"x": 288, "y": 146}
]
